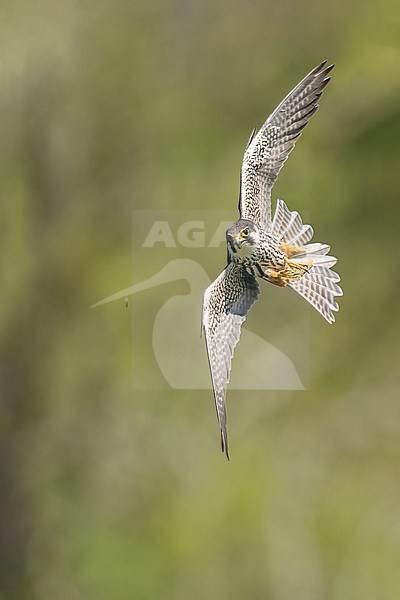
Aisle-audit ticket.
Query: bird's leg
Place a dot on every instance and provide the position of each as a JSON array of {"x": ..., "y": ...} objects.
[
  {"x": 290, "y": 250},
  {"x": 292, "y": 271},
  {"x": 289, "y": 270}
]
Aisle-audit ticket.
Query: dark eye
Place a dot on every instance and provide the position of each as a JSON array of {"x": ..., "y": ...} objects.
[{"x": 245, "y": 232}]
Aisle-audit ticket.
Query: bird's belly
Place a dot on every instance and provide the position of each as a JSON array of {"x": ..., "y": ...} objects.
[{"x": 258, "y": 259}]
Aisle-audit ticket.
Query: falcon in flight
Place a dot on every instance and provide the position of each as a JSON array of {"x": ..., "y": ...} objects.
[{"x": 259, "y": 247}]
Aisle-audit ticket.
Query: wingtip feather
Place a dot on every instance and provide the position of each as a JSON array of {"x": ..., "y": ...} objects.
[
  {"x": 224, "y": 444},
  {"x": 319, "y": 67}
]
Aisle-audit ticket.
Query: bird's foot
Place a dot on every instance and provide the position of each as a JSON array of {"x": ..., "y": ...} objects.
[
  {"x": 292, "y": 271},
  {"x": 296, "y": 270}
]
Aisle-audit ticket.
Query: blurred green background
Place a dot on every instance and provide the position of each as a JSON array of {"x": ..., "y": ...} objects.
[{"x": 108, "y": 107}]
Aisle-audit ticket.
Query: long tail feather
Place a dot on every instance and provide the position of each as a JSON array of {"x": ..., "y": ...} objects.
[
  {"x": 318, "y": 296},
  {"x": 319, "y": 285}
]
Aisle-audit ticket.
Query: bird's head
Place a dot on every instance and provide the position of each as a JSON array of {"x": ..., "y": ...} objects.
[{"x": 242, "y": 237}]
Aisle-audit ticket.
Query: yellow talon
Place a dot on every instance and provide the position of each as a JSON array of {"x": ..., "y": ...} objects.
[{"x": 292, "y": 271}]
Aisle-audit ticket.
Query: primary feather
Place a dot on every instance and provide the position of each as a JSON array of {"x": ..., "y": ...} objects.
[
  {"x": 225, "y": 306},
  {"x": 268, "y": 150}
]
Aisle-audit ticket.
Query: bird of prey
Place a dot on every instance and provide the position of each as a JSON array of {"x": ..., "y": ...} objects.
[{"x": 276, "y": 250}]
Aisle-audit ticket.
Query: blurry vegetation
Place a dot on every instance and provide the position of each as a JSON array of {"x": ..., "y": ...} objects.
[{"x": 108, "y": 493}]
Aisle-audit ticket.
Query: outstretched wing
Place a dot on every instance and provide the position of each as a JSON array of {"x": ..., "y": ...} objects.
[
  {"x": 225, "y": 306},
  {"x": 267, "y": 151}
]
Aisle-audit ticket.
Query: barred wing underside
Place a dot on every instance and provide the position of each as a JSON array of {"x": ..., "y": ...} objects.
[
  {"x": 225, "y": 306},
  {"x": 267, "y": 151}
]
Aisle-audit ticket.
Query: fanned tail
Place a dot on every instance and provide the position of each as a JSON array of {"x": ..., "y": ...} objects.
[
  {"x": 319, "y": 284},
  {"x": 319, "y": 288}
]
